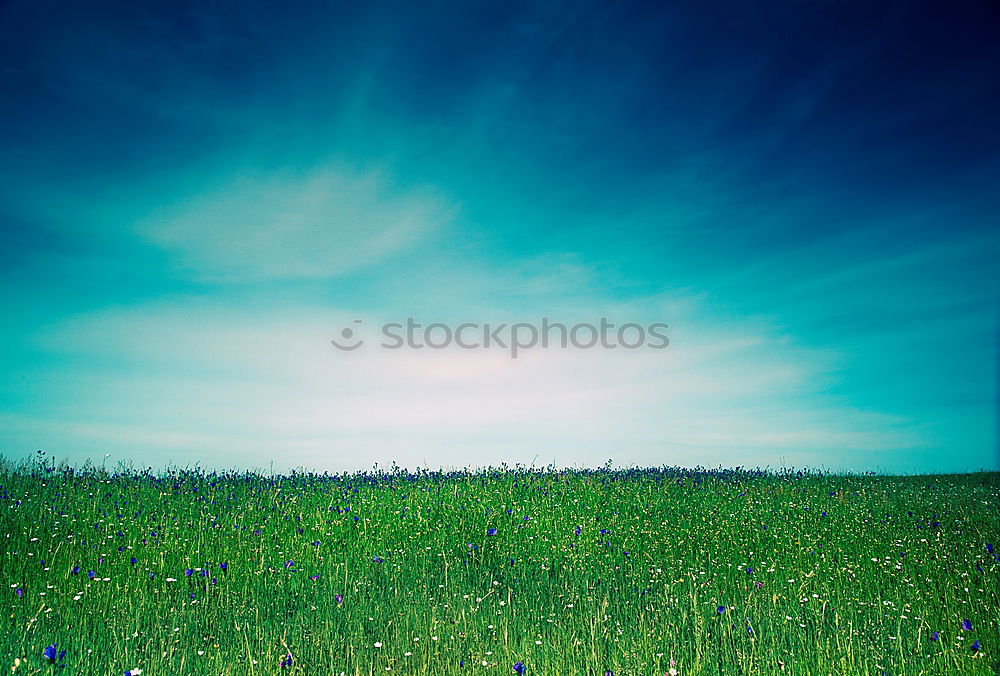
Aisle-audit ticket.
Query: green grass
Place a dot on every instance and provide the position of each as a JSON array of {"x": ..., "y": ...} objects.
[{"x": 828, "y": 594}]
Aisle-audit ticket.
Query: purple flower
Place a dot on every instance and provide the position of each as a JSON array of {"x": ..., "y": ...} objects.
[
  {"x": 19, "y": 592},
  {"x": 975, "y": 646},
  {"x": 934, "y": 636},
  {"x": 189, "y": 572},
  {"x": 491, "y": 532},
  {"x": 609, "y": 673},
  {"x": 339, "y": 599},
  {"x": 966, "y": 624},
  {"x": 314, "y": 577},
  {"x": 289, "y": 564},
  {"x": 91, "y": 574},
  {"x": 286, "y": 661},
  {"x": 519, "y": 666},
  {"x": 75, "y": 571},
  {"x": 720, "y": 609},
  {"x": 749, "y": 570}
]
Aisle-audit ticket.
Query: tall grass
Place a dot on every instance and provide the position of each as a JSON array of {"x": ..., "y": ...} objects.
[{"x": 629, "y": 571}]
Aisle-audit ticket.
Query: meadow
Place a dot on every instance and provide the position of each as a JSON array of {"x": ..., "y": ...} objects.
[{"x": 500, "y": 571}]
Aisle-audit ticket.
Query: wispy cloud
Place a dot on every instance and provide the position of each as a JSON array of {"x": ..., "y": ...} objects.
[{"x": 289, "y": 224}]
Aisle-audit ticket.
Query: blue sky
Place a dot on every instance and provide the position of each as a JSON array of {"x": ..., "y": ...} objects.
[{"x": 195, "y": 200}]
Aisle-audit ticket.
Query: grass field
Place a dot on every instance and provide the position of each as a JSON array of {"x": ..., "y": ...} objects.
[{"x": 634, "y": 572}]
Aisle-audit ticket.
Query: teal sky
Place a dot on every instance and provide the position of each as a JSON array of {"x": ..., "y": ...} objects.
[{"x": 194, "y": 201}]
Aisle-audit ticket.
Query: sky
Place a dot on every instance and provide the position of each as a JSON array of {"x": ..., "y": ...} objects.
[{"x": 196, "y": 198}]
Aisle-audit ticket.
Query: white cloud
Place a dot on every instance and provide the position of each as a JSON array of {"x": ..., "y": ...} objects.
[
  {"x": 198, "y": 382},
  {"x": 294, "y": 224}
]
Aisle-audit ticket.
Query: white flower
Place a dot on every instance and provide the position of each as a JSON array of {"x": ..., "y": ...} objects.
[{"x": 378, "y": 644}]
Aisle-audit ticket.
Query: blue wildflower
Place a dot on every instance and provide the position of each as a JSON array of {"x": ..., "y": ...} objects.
[
  {"x": 491, "y": 532},
  {"x": 966, "y": 624},
  {"x": 51, "y": 655},
  {"x": 286, "y": 661},
  {"x": 975, "y": 646},
  {"x": 518, "y": 667},
  {"x": 934, "y": 636},
  {"x": 720, "y": 609}
]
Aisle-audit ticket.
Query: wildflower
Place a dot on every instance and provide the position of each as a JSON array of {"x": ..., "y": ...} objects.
[
  {"x": 314, "y": 577},
  {"x": 75, "y": 571},
  {"x": 378, "y": 644},
  {"x": 975, "y": 647},
  {"x": 189, "y": 572},
  {"x": 519, "y": 666},
  {"x": 749, "y": 630},
  {"x": 339, "y": 599},
  {"x": 19, "y": 592},
  {"x": 51, "y": 655},
  {"x": 720, "y": 609},
  {"x": 934, "y": 636},
  {"x": 966, "y": 624},
  {"x": 224, "y": 565},
  {"x": 134, "y": 561},
  {"x": 286, "y": 661},
  {"x": 989, "y": 548},
  {"x": 133, "y": 672},
  {"x": 289, "y": 564},
  {"x": 749, "y": 570},
  {"x": 491, "y": 532},
  {"x": 91, "y": 574}
]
